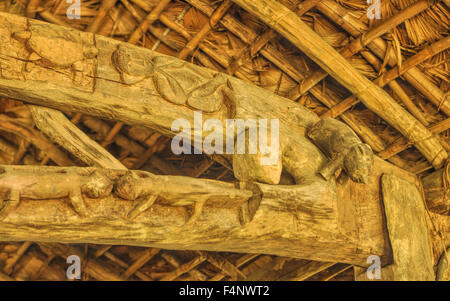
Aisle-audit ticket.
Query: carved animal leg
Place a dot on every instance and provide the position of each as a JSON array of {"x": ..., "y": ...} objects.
[
  {"x": 141, "y": 206},
  {"x": 77, "y": 69},
  {"x": 198, "y": 207},
  {"x": 76, "y": 199},
  {"x": 131, "y": 79},
  {"x": 32, "y": 57},
  {"x": 6, "y": 206},
  {"x": 244, "y": 214},
  {"x": 330, "y": 168}
]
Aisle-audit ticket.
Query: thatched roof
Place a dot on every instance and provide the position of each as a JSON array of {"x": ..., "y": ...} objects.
[{"x": 405, "y": 52}]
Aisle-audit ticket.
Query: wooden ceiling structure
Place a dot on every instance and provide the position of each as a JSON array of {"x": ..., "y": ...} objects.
[{"x": 387, "y": 79}]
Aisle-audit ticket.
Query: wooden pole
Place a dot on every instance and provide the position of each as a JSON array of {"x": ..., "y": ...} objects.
[
  {"x": 295, "y": 221},
  {"x": 288, "y": 24}
]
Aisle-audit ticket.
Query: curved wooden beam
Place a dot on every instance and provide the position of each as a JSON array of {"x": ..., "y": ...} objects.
[{"x": 289, "y": 25}]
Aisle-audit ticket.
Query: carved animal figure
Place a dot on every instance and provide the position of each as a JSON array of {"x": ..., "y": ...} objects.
[
  {"x": 145, "y": 191},
  {"x": 51, "y": 185},
  {"x": 50, "y": 47},
  {"x": 344, "y": 148}
]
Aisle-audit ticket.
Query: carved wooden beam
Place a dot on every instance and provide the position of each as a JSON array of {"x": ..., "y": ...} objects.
[
  {"x": 103, "y": 77},
  {"x": 63, "y": 132},
  {"x": 437, "y": 192},
  {"x": 175, "y": 212},
  {"x": 315, "y": 219}
]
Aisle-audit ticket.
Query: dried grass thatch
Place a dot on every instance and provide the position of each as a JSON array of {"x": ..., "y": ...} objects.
[{"x": 222, "y": 36}]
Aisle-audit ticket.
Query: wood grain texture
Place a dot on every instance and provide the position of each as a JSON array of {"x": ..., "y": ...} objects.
[
  {"x": 314, "y": 219},
  {"x": 64, "y": 133},
  {"x": 408, "y": 230},
  {"x": 300, "y": 221}
]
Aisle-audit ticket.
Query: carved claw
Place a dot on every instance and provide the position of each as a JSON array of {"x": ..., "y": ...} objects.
[
  {"x": 198, "y": 207},
  {"x": 6, "y": 206},
  {"x": 22, "y": 35},
  {"x": 330, "y": 168},
  {"x": 78, "y": 204},
  {"x": 141, "y": 206}
]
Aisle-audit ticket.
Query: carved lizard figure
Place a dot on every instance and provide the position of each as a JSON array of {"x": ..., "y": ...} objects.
[
  {"x": 145, "y": 188},
  {"x": 145, "y": 192},
  {"x": 51, "y": 185}
]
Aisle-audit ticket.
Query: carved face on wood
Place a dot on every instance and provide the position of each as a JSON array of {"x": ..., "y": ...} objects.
[
  {"x": 358, "y": 162},
  {"x": 132, "y": 66}
]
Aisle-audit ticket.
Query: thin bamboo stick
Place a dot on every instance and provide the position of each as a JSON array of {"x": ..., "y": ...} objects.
[
  {"x": 414, "y": 76},
  {"x": 416, "y": 59},
  {"x": 402, "y": 143},
  {"x": 215, "y": 18},
  {"x": 105, "y": 6},
  {"x": 35, "y": 137},
  {"x": 392, "y": 74},
  {"x": 151, "y": 17},
  {"x": 358, "y": 44}
]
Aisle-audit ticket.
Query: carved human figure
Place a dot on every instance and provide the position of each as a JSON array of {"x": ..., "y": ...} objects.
[
  {"x": 206, "y": 91},
  {"x": 51, "y": 185}
]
